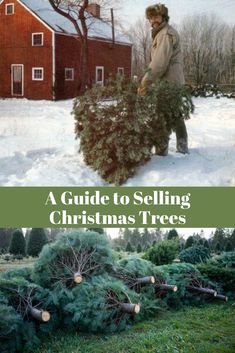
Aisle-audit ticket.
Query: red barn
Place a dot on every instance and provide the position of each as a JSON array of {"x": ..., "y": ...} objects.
[{"x": 40, "y": 51}]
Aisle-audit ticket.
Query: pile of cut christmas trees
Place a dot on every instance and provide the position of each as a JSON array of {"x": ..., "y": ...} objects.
[
  {"x": 118, "y": 129},
  {"x": 79, "y": 282}
]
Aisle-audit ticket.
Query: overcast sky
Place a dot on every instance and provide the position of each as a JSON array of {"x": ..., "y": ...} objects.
[{"x": 178, "y": 9}]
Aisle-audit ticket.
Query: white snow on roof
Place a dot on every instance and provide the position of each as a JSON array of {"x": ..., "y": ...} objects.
[{"x": 97, "y": 29}]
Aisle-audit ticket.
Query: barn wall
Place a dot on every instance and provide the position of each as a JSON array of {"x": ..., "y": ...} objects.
[
  {"x": 67, "y": 56},
  {"x": 100, "y": 54},
  {"x": 111, "y": 57},
  {"x": 16, "y": 48}
]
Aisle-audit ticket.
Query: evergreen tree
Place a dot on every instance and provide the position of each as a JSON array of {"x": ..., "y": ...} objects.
[
  {"x": 228, "y": 246},
  {"x": 5, "y": 239},
  {"x": 218, "y": 248},
  {"x": 97, "y": 230},
  {"x": 156, "y": 235},
  {"x": 196, "y": 238},
  {"x": 201, "y": 241},
  {"x": 219, "y": 237},
  {"x": 172, "y": 234},
  {"x": 195, "y": 254},
  {"x": 72, "y": 258},
  {"x": 127, "y": 235},
  {"x": 37, "y": 239},
  {"x": 129, "y": 247},
  {"x": 163, "y": 253},
  {"x": 153, "y": 243},
  {"x": 232, "y": 239},
  {"x": 147, "y": 246},
  {"x": 139, "y": 248},
  {"x": 206, "y": 244},
  {"x": 146, "y": 237},
  {"x": 135, "y": 238},
  {"x": 17, "y": 245},
  {"x": 118, "y": 243},
  {"x": 189, "y": 242},
  {"x": 123, "y": 123}
]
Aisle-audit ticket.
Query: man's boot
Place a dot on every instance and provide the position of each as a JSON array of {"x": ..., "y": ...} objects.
[
  {"x": 181, "y": 137},
  {"x": 182, "y": 146}
]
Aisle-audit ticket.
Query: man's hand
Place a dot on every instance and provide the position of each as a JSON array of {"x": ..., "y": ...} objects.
[{"x": 141, "y": 91}]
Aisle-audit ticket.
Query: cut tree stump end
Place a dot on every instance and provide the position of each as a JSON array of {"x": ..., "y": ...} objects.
[
  {"x": 77, "y": 278},
  {"x": 130, "y": 308},
  {"x": 40, "y": 315},
  {"x": 168, "y": 287},
  {"x": 46, "y": 316},
  {"x": 137, "y": 309},
  {"x": 222, "y": 297}
]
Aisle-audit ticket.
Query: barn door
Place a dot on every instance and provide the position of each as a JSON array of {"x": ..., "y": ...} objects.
[{"x": 17, "y": 82}]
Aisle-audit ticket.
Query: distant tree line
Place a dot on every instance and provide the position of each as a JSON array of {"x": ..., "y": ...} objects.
[
  {"x": 18, "y": 244},
  {"x": 221, "y": 240},
  {"x": 137, "y": 240},
  {"x": 14, "y": 242},
  {"x": 170, "y": 247}
]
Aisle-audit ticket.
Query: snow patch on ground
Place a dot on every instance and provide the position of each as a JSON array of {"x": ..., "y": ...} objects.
[{"x": 38, "y": 148}]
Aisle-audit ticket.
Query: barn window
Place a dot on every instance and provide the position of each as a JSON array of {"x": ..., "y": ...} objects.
[
  {"x": 120, "y": 71},
  {"x": 9, "y": 9},
  {"x": 37, "y": 74},
  {"x": 69, "y": 74},
  {"x": 37, "y": 39},
  {"x": 99, "y": 75}
]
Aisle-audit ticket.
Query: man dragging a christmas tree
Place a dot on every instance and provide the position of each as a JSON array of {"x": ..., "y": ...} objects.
[{"x": 166, "y": 64}]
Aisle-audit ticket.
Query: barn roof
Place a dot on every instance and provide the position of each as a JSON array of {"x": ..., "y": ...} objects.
[{"x": 97, "y": 27}]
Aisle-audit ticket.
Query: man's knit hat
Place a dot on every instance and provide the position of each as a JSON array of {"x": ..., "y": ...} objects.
[{"x": 155, "y": 10}]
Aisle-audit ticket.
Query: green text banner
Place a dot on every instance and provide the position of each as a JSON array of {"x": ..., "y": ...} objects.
[{"x": 119, "y": 207}]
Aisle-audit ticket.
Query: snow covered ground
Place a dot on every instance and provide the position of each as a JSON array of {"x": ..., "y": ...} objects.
[{"x": 38, "y": 148}]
